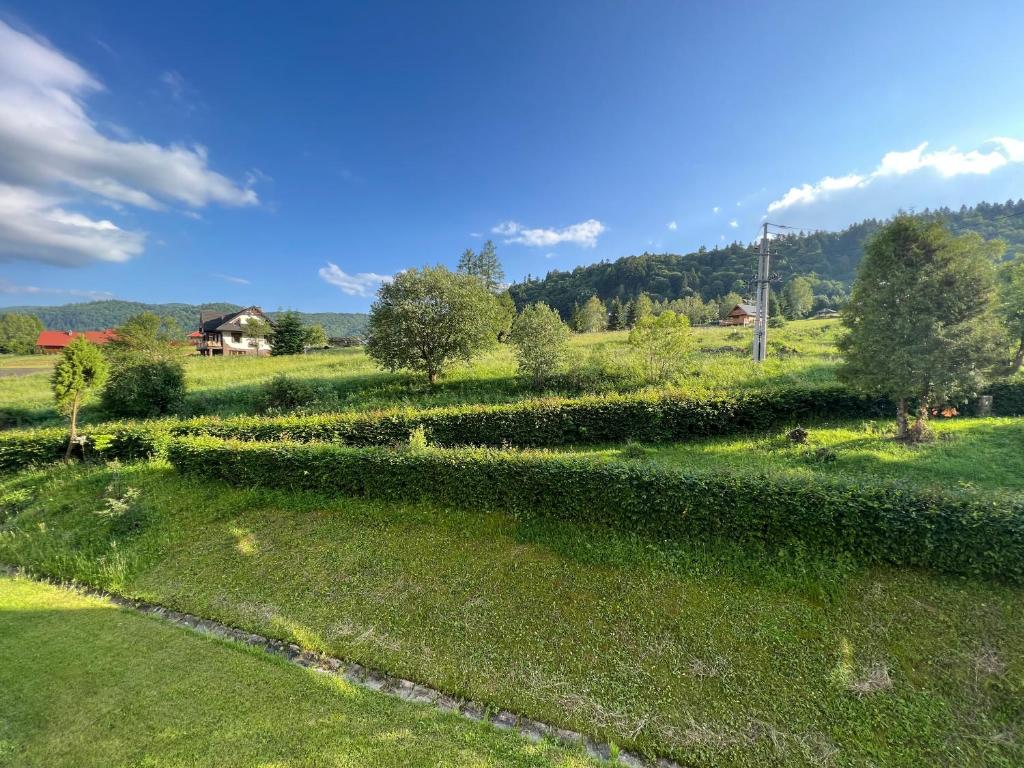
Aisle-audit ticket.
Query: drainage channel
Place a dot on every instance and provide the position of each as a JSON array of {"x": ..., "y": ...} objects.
[{"x": 364, "y": 677}]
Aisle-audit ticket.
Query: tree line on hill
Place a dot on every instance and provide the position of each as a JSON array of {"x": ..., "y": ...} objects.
[
  {"x": 929, "y": 321},
  {"x": 95, "y": 315},
  {"x": 828, "y": 260}
]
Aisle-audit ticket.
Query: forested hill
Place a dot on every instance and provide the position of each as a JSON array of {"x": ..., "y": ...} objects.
[
  {"x": 711, "y": 274},
  {"x": 94, "y": 315}
]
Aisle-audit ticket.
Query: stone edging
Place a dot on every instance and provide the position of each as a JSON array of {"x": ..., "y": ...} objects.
[{"x": 364, "y": 677}]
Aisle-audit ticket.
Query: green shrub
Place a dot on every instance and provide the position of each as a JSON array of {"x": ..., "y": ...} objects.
[
  {"x": 645, "y": 418},
  {"x": 144, "y": 388},
  {"x": 955, "y": 532}
]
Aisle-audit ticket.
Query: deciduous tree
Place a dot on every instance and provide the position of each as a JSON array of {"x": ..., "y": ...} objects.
[
  {"x": 592, "y": 316},
  {"x": 662, "y": 343},
  {"x": 19, "y": 333},
  {"x": 426, "y": 319},
  {"x": 541, "y": 340},
  {"x": 1011, "y": 306}
]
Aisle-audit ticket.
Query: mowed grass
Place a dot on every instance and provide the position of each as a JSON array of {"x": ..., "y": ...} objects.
[
  {"x": 709, "y": 652},
  {"x": 803, "y": 353},
  {"x": 83, "y": 683},
  {"x": 984, "y": 454}
]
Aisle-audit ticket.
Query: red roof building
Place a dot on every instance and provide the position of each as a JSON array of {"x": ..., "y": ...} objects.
[{"x": 54, "y": 341}]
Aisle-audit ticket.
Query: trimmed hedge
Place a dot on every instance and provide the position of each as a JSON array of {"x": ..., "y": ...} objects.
[
  {"x": 648, "y": 418},
  {"x": 954, "y": 532}
]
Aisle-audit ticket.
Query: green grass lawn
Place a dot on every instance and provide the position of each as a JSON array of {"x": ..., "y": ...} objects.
[
  {"x": 83, "y": 683},
  {"x": 970, "y": 453},
  {"x": 713, "y": 653},
  {"x": 803, "y": 352}
]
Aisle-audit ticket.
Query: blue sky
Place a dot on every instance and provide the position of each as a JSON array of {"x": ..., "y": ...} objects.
[{"x": 294, "y": 154}]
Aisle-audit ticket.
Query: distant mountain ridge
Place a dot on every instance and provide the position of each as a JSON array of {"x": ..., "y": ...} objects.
[
  {"x": 711, "y": 274},
  {"x": 110, "y": 313}
]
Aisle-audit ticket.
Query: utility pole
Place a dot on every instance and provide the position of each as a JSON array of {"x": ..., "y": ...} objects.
[{"x": 764, "y": 278}]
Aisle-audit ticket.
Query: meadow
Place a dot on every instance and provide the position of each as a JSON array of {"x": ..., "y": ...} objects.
[
  {"x": 346, "y": 379},
  {"x": 706, "y": 648},
  {"x": 712, "y": 652}
]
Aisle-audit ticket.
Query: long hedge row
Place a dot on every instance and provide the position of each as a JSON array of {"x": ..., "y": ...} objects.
[
  {"x": 536, "y": 423},
  {"x": 954, "y": 532},
  {"x": 647, "y": 418}
]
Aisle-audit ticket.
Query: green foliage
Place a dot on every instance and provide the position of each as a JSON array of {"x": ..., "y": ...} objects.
[
  {"x": 80, "y": 373},
  {"x": 799, "y": 295},
  {"x": 257, "y": 328},
  {"x": 592, "y": 317},
  {"x": 921, "y": 319},
  {"x": 1011, "y": 305},
  {"x": 663, "y": 344},
  {"x": 316, "y": 337},
  {"x": 426, "y": 319},
  {"x": 830, "y": 256},
  {"x": 111, "y": 313},
  {"x": 639, "y": 308},
  {"x": 484, "y": 265},
  {"x": 145, "y": 336},
  {"x": 144, "y": 388},
  {"x": 945, "y": 531},
  {"x": 289, "y": 336},
  {"x": 19, "y": 333},
  {"x": 728, "y": 303},
  {"x": 541, "y": 341}
]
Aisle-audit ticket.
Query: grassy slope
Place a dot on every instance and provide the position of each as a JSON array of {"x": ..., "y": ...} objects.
[
  {"x": 969, "y": 453},
  {"x": 226, "y": 385},
  {"x": 83, "y": 683},
  {"x": 718, "y": 655}
]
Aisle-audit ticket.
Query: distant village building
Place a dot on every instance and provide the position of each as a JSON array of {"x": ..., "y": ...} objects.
[
  {"x": 825, "y": 314},
  {"x": 52, "y": 342},
  {"x": 741, "y": 314},
  {"x": 224, "y": 334}
]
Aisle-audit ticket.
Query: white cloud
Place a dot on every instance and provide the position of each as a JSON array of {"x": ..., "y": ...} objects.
[
  {"x": 584, "y": 234},
  {"x": 360, "y": 284},
  {"x": 12, "y": 288},
  {"x": 232, "y": 279},
  {"x": 175, "y": 83},
  {"x": 550, "y": 255},
  {"x": 734, "y": 224},
  {"x": 716, "y": 209},
  {"x": 946, "y": 163},
  {"x": 34, "y": 226},
  {"x": 50, "y": 148},
  {"x": 673, "y": 226}
]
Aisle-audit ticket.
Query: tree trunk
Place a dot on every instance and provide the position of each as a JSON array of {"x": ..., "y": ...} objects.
[
  {"x": 74, "y": 429},
  {"x": 1018, "y": 359},
  {"x": 920, "y": 431},
  {"x": 432, "y": 376},
  {"x": 901, "y": 419}
]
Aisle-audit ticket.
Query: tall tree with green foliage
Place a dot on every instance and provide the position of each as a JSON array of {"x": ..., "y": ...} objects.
[
  {"x": 77, "y": 376},
  {"x": 921, "y": 322},
  {"x": 316, "y": 336},
  {"x": 19, "y": 333},
  {"x": 592, "y": 317},
  {"x": 484, "y": 265},
  {"x": 541, "y": 341},
  {"x": 617, "y": 317},
  {"x": 289, "y": 336},
  {"x": 1011, "y": 306},
  {"x": 426, "y": 319},
  {"x": 148, "y": 336},
  {"x": 663, "y": 344},
  {"x": 639, "y": 308},
  {"x": 799, "y": 294}
]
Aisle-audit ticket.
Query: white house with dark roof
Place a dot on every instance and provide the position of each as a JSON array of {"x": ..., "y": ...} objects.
[{"x": 225, "y": 334}]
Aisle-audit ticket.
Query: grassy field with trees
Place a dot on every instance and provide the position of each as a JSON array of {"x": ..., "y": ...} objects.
[{"x": 612, "y": 521}]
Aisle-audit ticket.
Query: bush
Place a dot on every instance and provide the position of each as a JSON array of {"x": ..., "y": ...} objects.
[
  {"x": 955, "y": 532},
  {"x": 646, "y": 418},
  {"x": 144, "y": 388}
]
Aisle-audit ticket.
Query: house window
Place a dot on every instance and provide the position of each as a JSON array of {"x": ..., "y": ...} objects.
[{"x": 236, "y": 335}]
